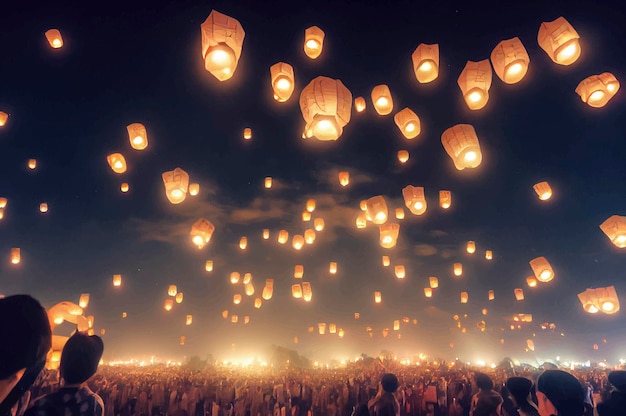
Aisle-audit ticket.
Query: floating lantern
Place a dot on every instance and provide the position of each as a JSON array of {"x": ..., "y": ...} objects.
[
  {"x": 137, "y": 135},
  {"x": 542, "y": 269},
  {"x": 361, "y": 220},
  {"x": 344, "y": 178},
  {"x": 234, "y": 278},
  {"x": 225, "y": 314},
  {"x": 321, "y": 328},
  {"x": 247, "y": 133},
  {"x": 485, "y": 311},
  {"x": 382, "y": 100},
  {"x": 32, "y": 164},
  {"x": 268, "y": 291},
  {"x": 433, "y": 282},
  {"x": 519, "y": 294},
  {"x": 489, "y": 255},
  {"x": 403, "y": 156},
  {"x": 597, "y": 90},
  {"x": 560, "y": 41},
  {"x": 258, "y": 302},
  {"x": 318, "y": 224},
  {"x": 176, "y": 184},
  {"x": 474, "y": 82},
  {"x": 615, "y": 228},
  {"x": 307, "y": 292},
  {"x": 310, "y": 205},
  {"x": 313, "y": 42},
  {"x": 400, "y": 271},
  {"x": 283, "y": 236},
  {"x": 399, "y": 213},
  {"x": 332, "y": 328},
  {"x": 208, "y": 266},
  {"x": 3, "y": 118},
  {"x": 600, "y": 300},
  {"x": 124, "y": 187},
  {"x": 179, "y": 297},
  {"x": 543, "y": 190},
  {"x": 326, "y": 105},
  {"x": 283, "y": 81},
  {"x": 377, "y": 209},
  {"x": 83, "y": 300},
  {"x": 357, "y": 315},
  {"x": 117, "y": 162},
  {"x": 117, "y": 280},
  {"x": 194, "y": 189},
  {"x": 378, "y": 297},
  {"x": 43, "y": 207},
  {"x": 247, "y": 278},
  {"x": 332, "y": 268},
  {"x": 222, "y": 41},
  {"x": 266, "y": 234},
  {"x": 234, "y": 319},
  {"x": 595, "y": 347},
  {"x": 201, "y": 232},
  {"x": 297, "y": 242},
  {"x": 457, "y": 268},
  {"x": 243, "y": 243},
  {"x": 530, "y": 344},
  {"x": 306, "y": 216},
  {"x": 237, "y": 299},
  {"x": 268, "y": 182},
  {"x": 428, "y": 292},
  {"x": 386, "y": 261},
  {"x": 510, "y": 60},
  {"x": 531, "y": 281},
  {"x": 408, "y": 122},
  {"x": 249, "y": 289},
  {"x": 359, "y": 104},
  {"x": 298, "y": 271},
  {"x": 445, "y": 199},
  {"x": 54, "y": 38},
  {"x": 491, "y": 295},
  {"x": 471, "y": 247},
  {"x": 464, "y": 297},
  {"x": 341, "y": 333},
  {"x": 396, "y": 325},
  {"x": 309, "y": 236},
  {"x": 172, "y": 290},
  {"x": 426, "y": 62},
  {"x": 188, "y": 320},
  {"x": 389, "y": 235},
  {"x": 461, "y": 144}
]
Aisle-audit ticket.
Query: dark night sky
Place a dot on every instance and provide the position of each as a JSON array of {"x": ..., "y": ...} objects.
[{"x": 142, "y": 63}]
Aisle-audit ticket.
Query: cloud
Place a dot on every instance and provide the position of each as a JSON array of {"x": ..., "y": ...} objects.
[
  {"x": 425, "y": 250},
  {"x": 260, "y": 209}
]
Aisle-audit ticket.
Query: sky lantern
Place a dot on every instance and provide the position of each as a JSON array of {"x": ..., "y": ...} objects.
[
  {"x": 172, "y": 290},
  {"x": 359, "y": 104},
  {"x": 489, "y": 255},
  {"x": 461, "y": 144},
  {"x": 237, "y": 299},
  {"x": 234, "y": 319},
  {"x": 222, "y": 41},
  {"x": 297, "y": 242},
  {"x": 332, "y": 267},
  {"x": 471, "y": 247},
  {"x": 530, "y": 344},
  {"x": 543, "y": 190},
  {"x": 386, "y": 261},
  {"x": 510, "y": 60},
  {"x": 234, "y": 278},
  {"x": 83, "y": 300},
  {"x": 531, "y": 281},
  {"x": 426, "y": 62},
  {"x": 357, "y": 315},
  {"x": 306, "y": 216},
  {"x": 332, "y": 328},
  {"x": 194, "y": 189},
  {"x": 615, "y": 228},
  {"x": 519, "y": 294},
  {"x": 208, "y": 266},
  {"x": 389, "y": 235},
  {"x": 597, "y": 90},
  {"x": 137, "y": 135},
  {"x": 247, "y": 278},
  {"x": 243, "y": 243},
  {"x": 307, "y": 292},
  {"x": 3, "y": 118},
  {"x": 491, "y": 295},
  {"x": 408, "y": 122},
  {"x": 258, "y": 302},
  {"x": 542, "y": 269},
  {"x": 377, "y": 209},
  {"x": 378, "y": 297},
  {"x": 298, "y": 271},
  {"x": 382, "y": 100},
  {"x": 188, "y": 320},
  {"x": 117, "y": 280},
  {"x": 283, "y": 81},
  {"x": 361, "y": 220},
  {"x": 589, "y": 301},
  {"x": 400, "y": 213},
  {"x": 313, "y": 42},
  {"x": 124, "y": 187},
  {"x": 283, "y": 236},
  {"x": 344, "y": 178},
  {"x": 176, "y": 184},
  {"x": 318, "y": 224},
  {"x": 560, "y": 41},
  {"x": 54, "y": 38},
  {"x": 433, "y": 282},
  {"x": 309, "y": 236},
  {"x": 457, "y": 269},
  {"x": 247, "y": 133},
  {"x": 32, "y": 164},
  {"x": 445, "y": 199},
  {"x": 400, "y": 271},
  {"x": 484, "y": 311},
  {"x": 266, "y": 234},
  {"x": 474, "y": 82},
  {"x": 428, "y": 292},
  {"x": 43, "y": 207},
  {"x": 117, "y": 162},
  {"x": 310, "y": 205},
  {"x": 268, "y": 182},
  {"x": 225, "y": 314},
  {"x": 608, "y": 300},
  {"x": 326, "y": 105},
  {"x": 201, "y": 232},
  {"x": 268, "y": 291},
  {"x": 321, "y": 327},
  {"x": 396, "y": 325},
  {"x": 249, "y": 289},
  {"x": 464, "y": 297},
  {"x": 403, "y": 156},
  {"x": 179, "y": 297}
]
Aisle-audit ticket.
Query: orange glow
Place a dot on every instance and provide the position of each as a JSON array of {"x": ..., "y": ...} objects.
[
  {"x": 399, "y": 213},
  {"x": 332, "y": 268},
  {"x": 283, "y": 237},
  {"x": 83, "y": 300},
  {"x": 400, "y": 271},
  {"x": 194, "y": 189},
  {"x": 386, "y": 261},
  {"x": 247, "y": 133},
  {"x": 117, "y": 162},
  {"x": 389, "y": 235},
  {"x": 408, "y": 122},
  {"x": 543, "y": 190},
  {"x": 426, "y": 62},
  {"x": 124, "y": 187},
  {"x": 542, "y": 269},
  {"x": 428, "y": 292},
  {"x": 615, "y": 228},
  {"x": 201, "y": 232},
  {"x": 488, "y": 255},
  {"x": 377, "y": 209},
  {"x": 117, "y": 280},
  {"x": 208, "y": 266},
  {"x": 378, "y": 297},
  {"x": 283, "y": 81},
  {"x": 531, "y": 281},
  {"x": 510, "y": 60},
  {"x": 559, "y": 40},
  {"x": 433, "y": 282},
  {"x": 237, "y": 299},
  {"x": 359, "y": 104},
  {"x": 234, "y": 278},
  {"x": 222, "y": 42},
  {"x": 298, "y": 271},
  {"x": 243, "y": 243},
  {"x": 464, "y": 297},
  {"x": 461, "y": 144},
  {"x": 445, "y": 199},
  {"x": 471, "y": 247},
  {"x": 519, "y": 294},
  {"x": 491, "y": 295},
  {"x": 597, "y": 90},
  {"x": 381, "y": 97},
  {"x": 457, "y": 269},
  {"x": 344, "y": 178},
  {"x": 318, "y": 224},
  {"x": 403, "y": 156},
  {"x": 54, "y": 38},
  {"x": 313, "y": 42},
  {"x": 43, "y": 207},
  {"x": 326, "y": 106},
  {"x": 179, "y": 297},
  {"x": 32, "y": 164},
  {"x": 137, "y": 135},
  {"x": 268, "y": 182},
  {"x": 297, "y": 242},
  {"x": 474, "y": 82},
  {"x": 3, "y": 118},
  {"x": 266, "y": 234},
  {"x": 176, "y": 184}
]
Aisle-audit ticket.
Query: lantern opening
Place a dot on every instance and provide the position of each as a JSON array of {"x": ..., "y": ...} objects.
[
  {"x": 282, "y": 83},
  {"x": 426, "y": 66},
  {"x": 325, "y": 128},
  {"x": 220, "y": 58},
  {"x": 312, "y": 44},
  {"x": 568, "y": 52}
]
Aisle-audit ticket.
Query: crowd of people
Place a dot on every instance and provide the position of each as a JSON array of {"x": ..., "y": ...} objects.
[{"x": 378, "y": 388}]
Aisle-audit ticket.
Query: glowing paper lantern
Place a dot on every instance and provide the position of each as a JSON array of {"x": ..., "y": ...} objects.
[
  {"x": 396, "y": 325},
  {"x": 491, "y": 295},
  {"x": 179, "y": 297},
  {"x": 137, "y": 135},
  {"x": 54, "y": 38},
  {"x": 83, "y": 300},
  {"x": 1, "y": 213},
  {"x": 400, "y": 271},
  {"x": 321, "y": 328},
  {"x": 234, "y": 278},
  {"x": 428, "y": 292},
  {"x": 313, "y": 42},
  {"x": 176, "y": 184},
  {"x": 608, "y": 300},
  {"x": 403, "y": 156},
  {"x": 445, "y": 199},
  {"x": 297, "y": 242},
  {"x": 309, "y": 236},
  {"x": 474, "y": 82},
  {"x": 268, "y": 182},
  {"x": 296, "y": 291},
  {"x": 386, "y": 261},
  {"x": 359, "y": 104},
  {"x": 247, "y": 278},
  {"x": 530, "y": 344},
  {"x": 194, "y": 189},
  {"x": 3, "y": 118},
  {"x": 543, "y": 190},
  {"x": 433, "y": 282},
  {"x": 489, "y": 255},
  {"x": 519, "y": 294},
  {"x": 376, "y": 208},
  {"x": 117, "y": 162},
  {"x": 266, "y": 234},
  {"x": 615, "y": 228},
  {"x": 201, "y": 232},
  {"x": 326, "y": 105},
  {"x": 268, "y": 291},
  {"x": 357, "y": 315},
  {"x": 310, "y": 205},
  {"x": 32, "y": 164},
  {"x": 471, "y": 247},
  {"x": 237, "y": 299},
  {"x": 426, "y": 62},
  {"x": 307, "y": 292},
  {"x": 306, "y": 216},
  {"x": 597, "y": 90},
  {"x": 457, "y": 268},
  {"x": 389, "y": 235},
  {"x": 188, "y": 320},
  {"x": 172, "y": 290},
  {"x": 234, "y": 319},
  {"x": 225, "y": 314},
  {"x": 283, "y": 81},
  {"x": 298, "y": 271},
  {"x": 531, "y": 281},
  {"x": 222, "y": 41},
  {"x": 124, "y": 187},
  {"x": 243, "y": 243},
  {"x": 542, "y": 269},
  {"x": 408, "y": 122},
  {"x": 318, "y": 224},
  {"x": 461, "y": 144},
  {"x": 344, "y": 178},
  {"x": 382, "y": 100},
  {"x": 560, "y": 41},
  {"x": 378, "y": 297},
  {"x": 249, "y": 289},
  {"x": 510, "y": 60},
  {"x": 43, "y": 207},
  {"x": 361, "y": 220},
  {"x": 258, "y": 302},
  {"x": 3, "y": 202},
  {"x": 464, "y": 297},
  {"x": 332, "y": 267},
  {"x": 208, "y": 266},
  {"x": 283, "y": 236},
  {"x": 117, "y": 280},
  {"x": 247, "y": 133}
]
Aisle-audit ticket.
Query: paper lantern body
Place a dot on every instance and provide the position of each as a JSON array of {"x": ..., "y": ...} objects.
[
  {"x": 313, "y": 42},
  {"x": 426, "y": 62},
  {"x": 408, "y": 122},
  {"x": 542, "y": 269},
  {"x": 377, "y": 209},
  {"x": 359, "y": 104},
  {"x": 510, "y": 60},
  {"x": 283, "y": 81},
  {"x": 461, "y": 144},
  {"x": 597, "y": 90},
  {"x": 445, "y": 199},
  {"x": 3, "y": 118},
  {"x": 389, "y": 235},
  {"x": 560, "y": 41},
  {"x": 615, "y": 228},
  {"x": 382, "y": 100},
  {"x": 414, "y": 199},
  {"x": 344, "y": 178},
  {"x": 326, "y": 106},
  {"x": 176, "y": 184},
  {"x": 474, "y": 82},
  {"x": 433, "y": 282},
  {"x": 543, "y": 190},
  {"x": 54, "y": 38},
  {"x": 117, "y": 162},
  {"x": 137, "y": 135},
  {"x": 201, "y": 232},
  {"x": 222, "y": 41}
]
